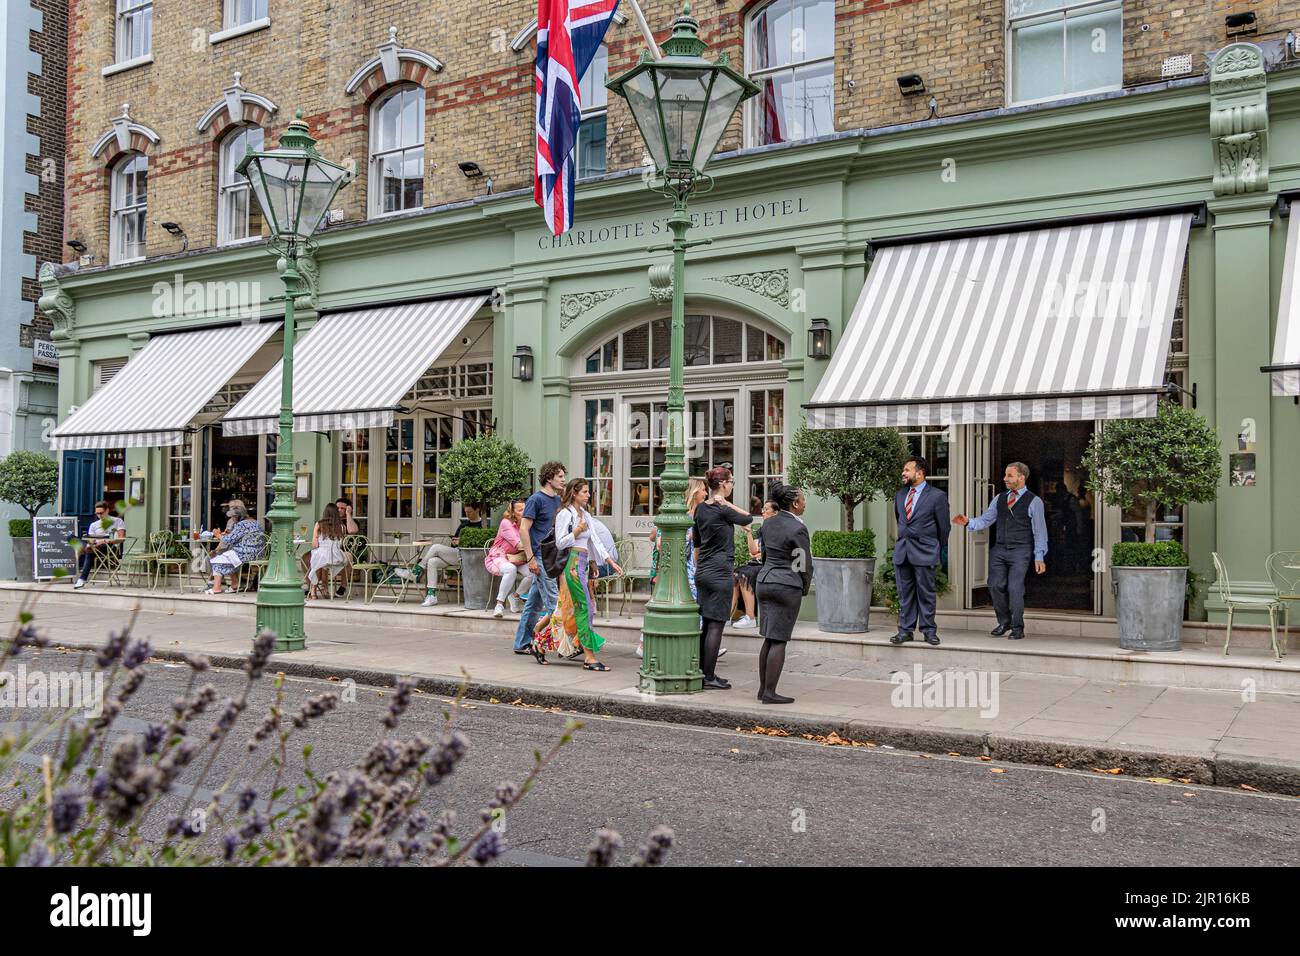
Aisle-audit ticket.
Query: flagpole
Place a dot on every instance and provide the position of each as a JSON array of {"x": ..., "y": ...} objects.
[{"x": 645, "y": 30}]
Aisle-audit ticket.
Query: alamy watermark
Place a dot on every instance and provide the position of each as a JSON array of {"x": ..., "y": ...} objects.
[
  {"x": 225, "y": 299},
  {"x": 61, "y": 690},
  {"x": 944, "y": 690}
]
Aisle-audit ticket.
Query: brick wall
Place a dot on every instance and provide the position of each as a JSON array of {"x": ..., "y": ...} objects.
[
  {"x": 479, "y": 107},
  {"x": 46, "y": 243}
]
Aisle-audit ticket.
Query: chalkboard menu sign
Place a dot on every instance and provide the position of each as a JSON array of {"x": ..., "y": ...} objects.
[{"x": 50, "y": 547}]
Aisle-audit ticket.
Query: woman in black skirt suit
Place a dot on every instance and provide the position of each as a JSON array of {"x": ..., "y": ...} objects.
[
  {"x": 715, "y": 562},
  {"x": 783, "y": 582}
]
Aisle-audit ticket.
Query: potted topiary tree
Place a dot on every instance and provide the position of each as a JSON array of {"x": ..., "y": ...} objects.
[
  {"x": 853, "y": 465},
  {"x": 485, "y": 472},
  {"x": 29, "y": 480},
  {"x": 1149, "y": 463}
]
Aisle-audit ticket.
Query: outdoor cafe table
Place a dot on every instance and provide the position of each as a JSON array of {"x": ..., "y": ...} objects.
[{"x": 396, "y": 556}]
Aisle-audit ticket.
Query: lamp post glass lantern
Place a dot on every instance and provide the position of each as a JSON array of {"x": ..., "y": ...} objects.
[
  {"x": 294, "y": 186},
  {"x": 682, "y": 104}
]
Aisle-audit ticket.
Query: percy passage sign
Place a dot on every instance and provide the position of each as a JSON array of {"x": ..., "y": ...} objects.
[{"x": 51, "y": 546}]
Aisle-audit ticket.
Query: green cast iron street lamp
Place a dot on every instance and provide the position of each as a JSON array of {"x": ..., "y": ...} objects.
[
  {"x": 294, "y": 186},
  {"x": 682, "y": 104}
]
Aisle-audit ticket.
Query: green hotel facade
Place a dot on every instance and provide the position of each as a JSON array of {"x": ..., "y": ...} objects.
[{"x": 794, "y": 230}]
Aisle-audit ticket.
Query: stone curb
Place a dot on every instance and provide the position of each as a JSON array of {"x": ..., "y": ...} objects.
[{"x": 1273, "y": 776}]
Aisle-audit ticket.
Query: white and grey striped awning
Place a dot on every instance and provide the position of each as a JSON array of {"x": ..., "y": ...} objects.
[
  {"x": 1285, "y": 370},
  {"x": 156, "y": 395},
  {"x": 353, "y": 368},
  {"x": 1050, "y": 324}
]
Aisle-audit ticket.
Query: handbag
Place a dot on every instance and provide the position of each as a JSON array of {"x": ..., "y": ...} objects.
[{"x": 553, "y": 558}]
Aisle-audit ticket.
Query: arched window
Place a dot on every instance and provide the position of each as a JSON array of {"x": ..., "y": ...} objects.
[
  {"x": 239, "y": 217},
  {"x": 397, "y": 151},
  {"x": 791, "y": 56},
  {"x": 128, "y": 207},
  {"x": 709, "y": 340},
  {"x": 595, "y": 103}
]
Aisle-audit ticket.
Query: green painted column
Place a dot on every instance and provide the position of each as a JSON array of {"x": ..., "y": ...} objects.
[
  {"x": 1242, "y": 405},
  {"x": 522, "y": 408}
]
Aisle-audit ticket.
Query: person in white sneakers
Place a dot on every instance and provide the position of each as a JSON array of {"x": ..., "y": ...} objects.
[
  {"x": 104, "y": 531},
  {"x": 506, "y": 558},
  {"x": 440, "y": 556},
  {"x": 747, "y": 573}
]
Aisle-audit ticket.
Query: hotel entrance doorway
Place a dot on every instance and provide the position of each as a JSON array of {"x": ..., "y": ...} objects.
[{"x": 1053, "y": 451}]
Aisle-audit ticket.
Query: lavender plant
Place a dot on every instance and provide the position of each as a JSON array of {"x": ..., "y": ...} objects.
[{"x": 96, "y": 800}]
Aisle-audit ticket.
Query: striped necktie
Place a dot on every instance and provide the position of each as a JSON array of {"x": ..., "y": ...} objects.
[
  {"x": 907, "y": 508},
  {"x": 1011, "y": 500}
]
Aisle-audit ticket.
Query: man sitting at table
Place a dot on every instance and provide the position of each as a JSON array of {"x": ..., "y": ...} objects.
[
  {"x": 244, "y": 542},
  {"x": 441, "y": 556},
  {"x": 104, "y": 532}
]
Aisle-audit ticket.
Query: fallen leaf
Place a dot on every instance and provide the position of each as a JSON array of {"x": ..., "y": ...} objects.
[
  {"x": 1184, "y": 779},
  {"x": 1060, "y": 766},
  {"x": 1111, "y": 770},
  {"x": 735, "y": 750},
  {"x": 928, "y": 756},
  {"x": 996, "y": 770},
  {"x": 770, "y": 731},
  {"x": 953, "y": 753},
  {"x": 516, "y": 702},
  {"x": 1189, "y": 794},
  {"x": 1246, "y": 786},
  {"x": 332, "y": 678},
  {"x": 1158, "y": 780},
  {"x": 985, "y": 757},
  {"x": 493, "y": 700}
]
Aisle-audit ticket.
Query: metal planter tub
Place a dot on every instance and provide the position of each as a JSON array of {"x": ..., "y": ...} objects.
[
  {"x": 843, "y": 593},
  {"x": 1149, "y": 607},
  {"x": 475, "y": 578}
]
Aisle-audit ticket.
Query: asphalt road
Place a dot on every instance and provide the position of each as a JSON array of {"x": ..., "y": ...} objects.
[{"x": 747, "y": 800}]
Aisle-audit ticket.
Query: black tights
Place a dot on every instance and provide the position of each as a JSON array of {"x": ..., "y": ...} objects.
[
  {"x": 710, "y": 644},
  {"x": 771, "y": 661}
]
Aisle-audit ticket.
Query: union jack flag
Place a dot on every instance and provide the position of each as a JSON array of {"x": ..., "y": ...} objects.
[{"x": 569, "y": 34}]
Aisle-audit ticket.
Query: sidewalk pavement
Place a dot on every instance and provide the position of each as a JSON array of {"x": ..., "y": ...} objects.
[{"x": 1180, "y": 733}]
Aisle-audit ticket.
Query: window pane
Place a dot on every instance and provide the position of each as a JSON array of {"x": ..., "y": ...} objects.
[
  {"x": 775, "y": 348},
  {"x": 591, "y": 89},
  {"x": 593, "y": 362},
  {"x": 609, "y": 356},
  {"x": 591, "y": 147},
  {"x": 818, "y": 38},
  {"x": 696, "y": 342},
  {"x": 661, "y": 341},
  {"x": 727, "y": 338},
  {"x": 1093, "y": 45},
  {"x": 753, "y": 344},
  {"x": 1039, "y": 55},
  {"x": 636, "y": 348}
]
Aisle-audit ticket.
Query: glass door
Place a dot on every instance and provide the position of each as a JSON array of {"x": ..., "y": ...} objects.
[
  {"x": 711, "y": 434},
  {"x": 399, "y": 477},
  {"x": 981, "y": 489},
  {"x": 437, "y": 434}
]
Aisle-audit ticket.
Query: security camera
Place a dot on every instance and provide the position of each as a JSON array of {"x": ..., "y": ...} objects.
[{"x": 466, "y": 341}]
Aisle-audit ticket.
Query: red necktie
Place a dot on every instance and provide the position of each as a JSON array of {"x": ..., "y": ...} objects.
[
  {"x": 1011, "y": 500},
  {"x": 907, "y": 508}
]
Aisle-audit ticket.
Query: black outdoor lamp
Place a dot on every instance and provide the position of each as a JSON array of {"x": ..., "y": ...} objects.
[
  {"x": 523, "y": 363},
  {"x": 819, "y": 339}
]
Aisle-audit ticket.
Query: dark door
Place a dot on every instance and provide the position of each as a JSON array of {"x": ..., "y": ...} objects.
[{"x": 83, "y": 483}]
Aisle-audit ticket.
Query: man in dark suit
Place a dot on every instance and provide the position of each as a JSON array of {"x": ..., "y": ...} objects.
[{"x": 923, "y": 526}]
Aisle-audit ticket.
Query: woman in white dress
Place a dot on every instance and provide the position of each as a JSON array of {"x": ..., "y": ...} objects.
[{"x": 327, "y": 552}]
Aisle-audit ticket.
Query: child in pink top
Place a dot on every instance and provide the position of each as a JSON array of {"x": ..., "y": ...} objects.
[{"x": 506, "y": 558}]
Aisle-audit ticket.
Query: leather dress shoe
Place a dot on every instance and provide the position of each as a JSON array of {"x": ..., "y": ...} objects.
[
  {"x": 1000, "y": 630},
  {"x": 1016, "y": 636},
  {"x": 901, "y": 637},
  {"x": 716, "y": 683},
  {"x": 932, "y": 640}
]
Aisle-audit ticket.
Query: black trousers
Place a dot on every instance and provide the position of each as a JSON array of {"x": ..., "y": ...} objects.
[
  {"x": 1008, "y": 570},
  {"x": 916, "y": 598}
]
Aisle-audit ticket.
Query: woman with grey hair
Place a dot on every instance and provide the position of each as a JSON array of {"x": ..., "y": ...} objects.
[{"x": 244, "y": 542}]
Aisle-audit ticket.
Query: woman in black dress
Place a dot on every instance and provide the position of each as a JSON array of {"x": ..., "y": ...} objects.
[
  {"x": 715, "y": 562},
  {"x": 783, "y": 583}
]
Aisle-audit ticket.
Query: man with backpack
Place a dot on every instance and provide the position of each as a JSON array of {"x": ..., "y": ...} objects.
[{"x": 537, "y": 524}]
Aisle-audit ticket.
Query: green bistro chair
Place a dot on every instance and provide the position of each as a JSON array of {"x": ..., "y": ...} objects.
[
  {"x": 1284, "y": 571},
  {"x": 172, "y": 553},
  {"x": 1254, "y": 602},
  {"x": 358, "y": 547},
  {"x": 142, "y": 561}
]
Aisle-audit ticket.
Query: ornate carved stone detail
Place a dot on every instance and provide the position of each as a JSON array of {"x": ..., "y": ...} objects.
[
  {"x": 774, "y": 284},
  {"x": 55, "y": 301},
  {"x": 1239, "y": 120},
  {"x": 661, "y": 283},
  {"x": 308, "y": 291},
  {"x": 573, "y": 306}
]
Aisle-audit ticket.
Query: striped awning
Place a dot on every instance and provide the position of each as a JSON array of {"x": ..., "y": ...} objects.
[
  {"x": 154, "y": 398},
  {"x": 1285, "y": 370},
  {"x": 1059, "y": 323},
  {"x": 353, "y": 368}
]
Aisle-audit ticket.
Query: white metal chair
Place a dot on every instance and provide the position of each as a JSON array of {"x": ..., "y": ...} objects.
[
  {"x": 1284, "y": 571},
  {"x": 1255, "y": 602}
]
